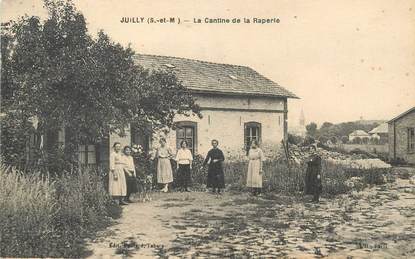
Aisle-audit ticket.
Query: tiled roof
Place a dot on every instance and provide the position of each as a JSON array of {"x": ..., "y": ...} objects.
[
  {"x": 212, "y": 77},
  {"x": 359, "y": 133},
  {"x": 382, "y": 128},
  {"x": 402, "y": 115}
]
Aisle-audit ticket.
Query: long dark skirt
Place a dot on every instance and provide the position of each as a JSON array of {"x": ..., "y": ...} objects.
[
  {"x": 313, "y": 185},
  {"x": 183, "y": 176},
  {"x": 215, "y": 177},
  {"x": 131, "y": 184}
]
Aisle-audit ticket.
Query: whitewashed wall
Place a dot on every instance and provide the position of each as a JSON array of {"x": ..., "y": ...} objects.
[
  {"x": 233, "y": 102},
  {"x": 224, "y": 119},
  {"x": 228, "y": 128}
]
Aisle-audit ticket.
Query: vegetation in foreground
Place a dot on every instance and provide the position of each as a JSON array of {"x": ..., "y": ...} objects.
[{"x": 49, "y": 217}]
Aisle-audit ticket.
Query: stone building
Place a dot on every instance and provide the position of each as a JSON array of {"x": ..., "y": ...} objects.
[
  {"x": 402, "y": 137},
  {"x": 380, "y": 133},
  {"x": 237, "y": 103}
]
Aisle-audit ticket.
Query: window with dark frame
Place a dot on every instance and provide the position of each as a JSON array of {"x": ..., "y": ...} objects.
[
  {"x": 139, "y": 137},
  {"x": 252, "y": 132},
  {"x": 61, "y": 137},
  {"x": 186, "y": 131},
  {"x": 87, "y": 154},
  {"x": 411, "y": 140}
]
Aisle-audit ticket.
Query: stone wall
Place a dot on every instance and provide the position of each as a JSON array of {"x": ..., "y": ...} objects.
[{"x": 401, "y": 148}]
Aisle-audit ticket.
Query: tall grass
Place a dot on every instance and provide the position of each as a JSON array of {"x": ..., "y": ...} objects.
[
  {"x": 28, "y": 208},
  {"x": 280, "y": 178},
  {"x": 43, "y": 216}
]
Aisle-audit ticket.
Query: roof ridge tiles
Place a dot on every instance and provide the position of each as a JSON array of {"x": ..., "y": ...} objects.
[{"x": 194, "y": 60}]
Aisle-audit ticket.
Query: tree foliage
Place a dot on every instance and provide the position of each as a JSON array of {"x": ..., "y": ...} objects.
[
  {"x": 326, "y": 125},
  {"x": 344, "y": 139},
  {"x": 311, "y": 129},
  {"x": 294, "y": 139},
  {"x": 329, "y": 130},
  {"x": 323, "y": 139},
  {"x": 55, "y": 71},
  {"x": 336, "y": 132}
]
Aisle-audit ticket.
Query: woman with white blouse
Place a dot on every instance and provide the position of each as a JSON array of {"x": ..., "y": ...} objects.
[
  {"x": 184, "y": 161},
  {"x": 117, "y": 185}
]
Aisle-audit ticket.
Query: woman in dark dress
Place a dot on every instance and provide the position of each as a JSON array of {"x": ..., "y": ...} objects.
[
  {"x": 215, "y": 158},
  {"x": 130, "y": 173},
  {"x": 184, "y": 159},
  {"x": 313, "y": 184}
]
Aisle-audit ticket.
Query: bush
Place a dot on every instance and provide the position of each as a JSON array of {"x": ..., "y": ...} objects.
[
  {"x": 334, "y": 179},
  {"x": 199, "y": 173},
  {"x": 357, "y": 151},
  {"x": 294, "y": 139},
  {"x": 45, "y": 216},
  {"x": 309, "y": 140},
  {"x": 323, "y": 139},
  {"x": 370, "y": 176},
  {"x": 146, "y": 171},
  {"x": 344, "y": 139}
]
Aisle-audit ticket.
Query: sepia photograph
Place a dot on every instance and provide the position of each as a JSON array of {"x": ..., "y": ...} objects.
[{"x": 207, "y": 129}]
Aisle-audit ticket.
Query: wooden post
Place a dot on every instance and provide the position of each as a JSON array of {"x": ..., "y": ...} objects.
[
  {"x": 287, "y": 154},
  {"x": 285, "y": 120}
]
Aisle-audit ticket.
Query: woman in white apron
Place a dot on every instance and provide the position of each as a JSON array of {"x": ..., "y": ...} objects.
[
  {"x": 117, "y": 186},
  {"x": 164, "y": 170},
  {"x": 254, "y": 175}
]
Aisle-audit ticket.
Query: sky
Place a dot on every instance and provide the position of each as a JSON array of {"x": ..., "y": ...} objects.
[{"x": 345, "y": 59}]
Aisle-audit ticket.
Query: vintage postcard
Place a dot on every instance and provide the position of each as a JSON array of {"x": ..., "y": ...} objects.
[{"x": 207, "y": 129}]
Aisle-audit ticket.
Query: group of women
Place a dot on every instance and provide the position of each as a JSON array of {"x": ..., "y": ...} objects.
[
  {"x": 122, "y": 177},
  {"x": 122, "y": 181}
]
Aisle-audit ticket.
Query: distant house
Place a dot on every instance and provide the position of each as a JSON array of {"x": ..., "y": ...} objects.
[
  {"x": 380, "y": 133},
  {"x": 402, "y": 137},
  {"x": 237, "y": 103},
  {"x": 359, "y": 134}
]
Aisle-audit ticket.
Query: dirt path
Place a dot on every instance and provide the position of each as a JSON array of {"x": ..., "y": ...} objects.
[{"x": 376, "y": 223}]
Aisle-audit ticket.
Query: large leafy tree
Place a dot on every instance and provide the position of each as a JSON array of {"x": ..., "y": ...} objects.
[{"x": 53, "y": 70}]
